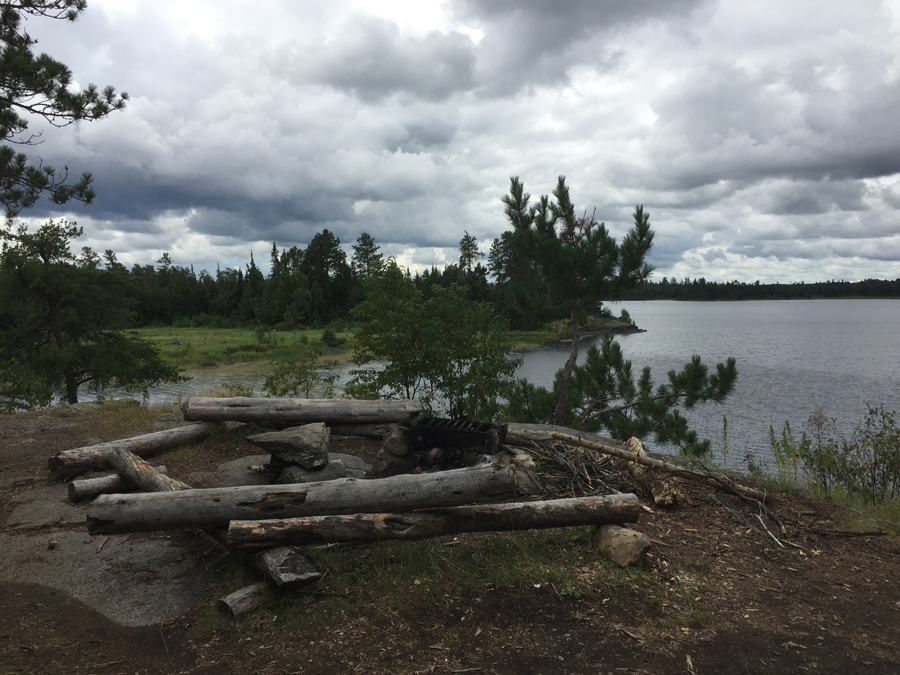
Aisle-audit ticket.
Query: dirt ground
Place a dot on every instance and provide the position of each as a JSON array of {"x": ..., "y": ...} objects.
[{"x": 720, "y": 595}]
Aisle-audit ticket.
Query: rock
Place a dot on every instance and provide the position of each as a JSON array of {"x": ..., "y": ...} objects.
[
  {"x": 356, "y": 467},
  {"x": 623, "y": 546},
  {"x": 389, "y": 464},
  {"x": 238, "y": 472},
  {"x": 433, "y": 456},
  {"x": 297, "y": 474},
  {"x": 397, "y": 442},
  {"x": 290, "y": 567},
  {"x": 306, "y": 445}
]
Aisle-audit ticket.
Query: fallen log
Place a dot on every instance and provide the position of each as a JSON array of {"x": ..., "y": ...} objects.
[
  {"x": 89, "y": 488},
  {"x": 69, "y": 463},
  {"x": 720, "y": 481},
  {"x": 369, "y": 527},
  {"x": 365, "y": 430},
  {"x": 336, "y": 411},
  {"x": 113, "y": 514},
  {"x": 286, "y": 566},
  {"x": 527, "y": 435},
  {"x": 137, "y": 471},
  {"x": 247, "y": 599}
]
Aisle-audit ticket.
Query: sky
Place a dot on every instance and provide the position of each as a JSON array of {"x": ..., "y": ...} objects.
[{"x": 762, "y": 137}]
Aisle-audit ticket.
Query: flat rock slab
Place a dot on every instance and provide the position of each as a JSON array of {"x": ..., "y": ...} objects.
[
  {"x": 297, "y": 474},
  {"x": 238, "y": 472},
  {"x": 45, "y": 507},
  {"x": 306, "y": 445},
  {"x": 356, "y": 467},
  {"x": 135, "y": 580}
]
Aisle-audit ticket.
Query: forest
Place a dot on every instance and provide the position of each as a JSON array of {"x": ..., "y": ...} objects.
[{"x": 318, "y": 285}]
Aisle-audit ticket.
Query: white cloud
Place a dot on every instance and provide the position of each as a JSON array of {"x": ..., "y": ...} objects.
[{"x": 761, "y": 137}]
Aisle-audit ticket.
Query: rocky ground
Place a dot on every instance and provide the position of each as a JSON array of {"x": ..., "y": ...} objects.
[{"x": 720, "y": 593}]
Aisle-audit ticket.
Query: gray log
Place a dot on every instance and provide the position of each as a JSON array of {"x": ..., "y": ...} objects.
[
  {"x": 137, "y": 471},
  {"x": 526, "y": 435},
  {"x": 89, "y": 488},
  {"x": 247, "y": 599},
  {"x": 365, "y": 430},
  {"x": 112, "y": 514},
  {"x": 299, "y": 410},
  {"x": 69, "y": 463},
  {"x": 369, "y": 527},
  {"x": 286, "y": 565}
]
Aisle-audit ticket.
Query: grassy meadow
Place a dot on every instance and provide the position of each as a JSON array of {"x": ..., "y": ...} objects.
[{"x": 240, "y": 348}]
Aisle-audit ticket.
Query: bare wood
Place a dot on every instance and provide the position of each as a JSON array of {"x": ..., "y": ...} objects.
[
  {"x": 247, "y": 599},
  {"x": 69, "y": 463},
  {"x": 89, "y": 488},
  {"x": 369, "y": 527},
  {"x": 299, "y": 410},
  {"x": 720, "y": 482},
  {"x": 366, "y": 430},
  {"x": 526, "y": 435},
  {"x": 111, "y": 514},
  {"x": 286, "y": 566},
  {"x": 130, "y": 466}
]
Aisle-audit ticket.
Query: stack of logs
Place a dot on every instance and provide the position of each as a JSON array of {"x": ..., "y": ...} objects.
[{"x": 266, "y": 524}]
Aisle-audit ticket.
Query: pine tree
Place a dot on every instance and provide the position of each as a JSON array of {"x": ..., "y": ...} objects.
[
  {"x": 581, "y": 263},
  {"x": 61, "y": 319},
  {"x": 366, "y": 257},
  {"x": 36, "y": 85}
]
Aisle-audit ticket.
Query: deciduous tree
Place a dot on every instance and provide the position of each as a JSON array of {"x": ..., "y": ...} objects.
[{"x": 451, "y": 354}]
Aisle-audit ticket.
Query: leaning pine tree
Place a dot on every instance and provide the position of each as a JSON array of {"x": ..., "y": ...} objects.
[{"x": 582, "y": 267}]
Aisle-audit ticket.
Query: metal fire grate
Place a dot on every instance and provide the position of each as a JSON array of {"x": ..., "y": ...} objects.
[{"x": 456, "y": 433}]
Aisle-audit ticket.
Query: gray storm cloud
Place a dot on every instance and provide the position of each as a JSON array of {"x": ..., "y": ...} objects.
[{"x": 761, "y": 137}]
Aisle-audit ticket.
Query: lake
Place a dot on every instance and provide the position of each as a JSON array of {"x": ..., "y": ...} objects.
[{"x": 792, "y": 357}]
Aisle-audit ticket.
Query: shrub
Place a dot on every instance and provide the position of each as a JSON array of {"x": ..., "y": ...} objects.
[
  {"x": 300, "y": 374},
  {"x": 866, "y": 465}
]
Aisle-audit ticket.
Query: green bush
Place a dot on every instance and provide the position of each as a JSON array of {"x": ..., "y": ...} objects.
[
  {"x": 301, "y": 374},
  {"x": 866, "y": 465}
]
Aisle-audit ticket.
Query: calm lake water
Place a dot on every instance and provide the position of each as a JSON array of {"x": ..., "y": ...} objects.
[{"x": 793, "y": 356}]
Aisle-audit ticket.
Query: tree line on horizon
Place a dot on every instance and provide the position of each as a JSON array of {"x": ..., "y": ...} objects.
[{"x": 318, "y": 285}]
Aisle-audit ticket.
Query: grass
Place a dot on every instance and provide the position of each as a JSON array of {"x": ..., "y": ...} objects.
[
  {"x": 392, "y": 575},
  {"x": 190, "y": 347}
]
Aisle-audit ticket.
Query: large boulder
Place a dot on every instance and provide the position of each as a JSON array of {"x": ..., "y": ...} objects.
[{"x": 306, "y": 445}]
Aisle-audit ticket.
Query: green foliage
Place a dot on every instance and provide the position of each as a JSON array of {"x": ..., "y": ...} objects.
[
  {"x": 366, "y": 258},
  {"x": 865, "y": 466},
  {"x": 330, "y": 338},
  {"x": 36, "y": 85},
  {"x": 445, "y": 351},
  {"x": 788, "y": 453},
  {"x": 604, "y": 394},
  {"x": 625, "y": 316},
  {"x": 301, "y": 374},
  {"x": 238, "y": 389},
  {"x": 581, "y": 264},
  {"x": 61, "y": 320}
]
